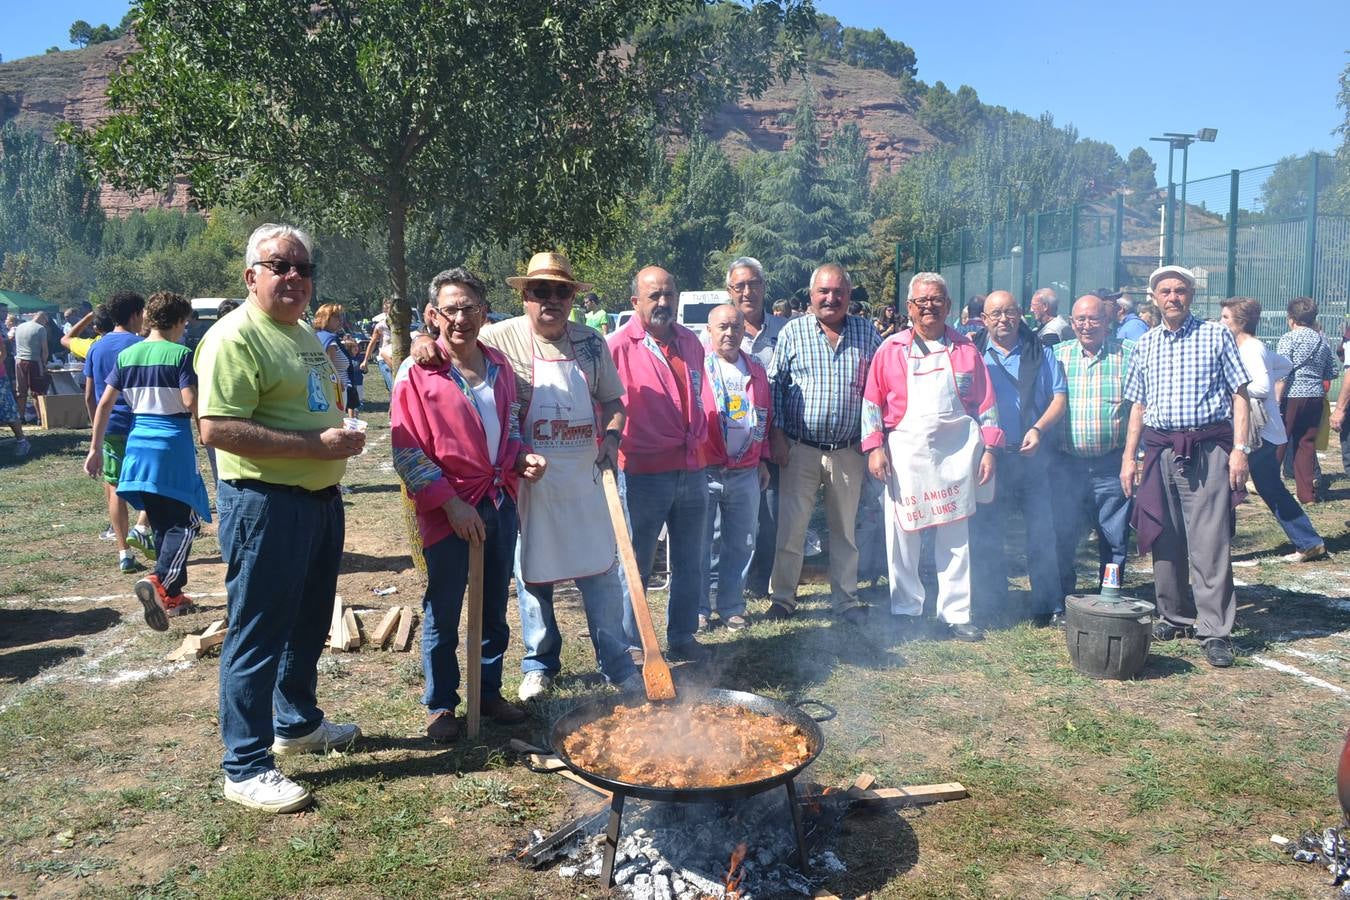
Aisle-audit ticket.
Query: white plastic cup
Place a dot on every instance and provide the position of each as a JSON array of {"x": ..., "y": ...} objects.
[{"x": 351, "y": 424}]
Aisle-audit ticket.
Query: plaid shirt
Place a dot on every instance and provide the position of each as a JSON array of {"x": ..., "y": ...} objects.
[
  {"x": 1314, "y": 362},
  {"x": 1096, "y": 419},
  {"x": 817, "y": 389},
  {"x": 1185, "y": 378}
]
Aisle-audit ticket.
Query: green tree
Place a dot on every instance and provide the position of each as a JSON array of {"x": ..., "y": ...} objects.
[
  {"x": 16, "y": 272},
  {"x": 81, "y": 33},
  {"x": 361, "y": 115},
  {"x": 46, "y": 201},
  {"x": 798, "y": 216},
  {"x": 1141, "y": 174},
  {"x": 1342, "y": 191},
  {"x": 683, "y": 215},
  {"x": 951, "y": 117}
]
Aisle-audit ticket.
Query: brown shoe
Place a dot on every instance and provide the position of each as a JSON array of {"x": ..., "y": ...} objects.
[
  {"x": 500, "y": 711},
  {"x": 442, "y": 727}
]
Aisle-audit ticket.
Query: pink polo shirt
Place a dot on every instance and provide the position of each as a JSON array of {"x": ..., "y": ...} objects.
[{"x": 666, "y": 428}]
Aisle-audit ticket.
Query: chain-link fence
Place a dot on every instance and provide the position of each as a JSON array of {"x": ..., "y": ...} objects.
[{"x": 1272, "y": 233}]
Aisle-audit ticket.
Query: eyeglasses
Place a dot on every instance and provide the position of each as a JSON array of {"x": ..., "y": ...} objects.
[
  {"x": 450, "y": 313},
  {"x": 1088, "y": 320},
  {"x": 283, "y": 267},
  {"x": 1001, "y": 314},
  {"x": 544, "y": 292},
  {"x": 1173, "y": 292},
  {"x": 742, "y": 286},
  {"x": 928, "y": 302}
]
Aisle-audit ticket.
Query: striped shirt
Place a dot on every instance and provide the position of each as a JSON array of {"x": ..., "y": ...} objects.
[
  {"x": 1096, "y": 418},
  {"x": 817, "y": 389},
  {"x": 1314, "y": 362},
  {"x": 1185, "y": 378},
  {"x": 151, "y": 376}
]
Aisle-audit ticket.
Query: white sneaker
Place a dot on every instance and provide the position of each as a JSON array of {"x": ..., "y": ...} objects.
[
  {"x": 268, "y": 791},
  {"x": 322, "y": 739},
  {"x": 534, "y": 684}
]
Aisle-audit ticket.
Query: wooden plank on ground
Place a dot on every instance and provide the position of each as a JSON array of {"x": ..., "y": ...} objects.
[
  {"x": 864, "y": 782},
  {"x": 337, "y": 629},
  {"x": 403, "y": 638},
  {"x": 385, "y": 630},
  {"x": 911, "y": 795},
  {"x": 353, "y": 629}
]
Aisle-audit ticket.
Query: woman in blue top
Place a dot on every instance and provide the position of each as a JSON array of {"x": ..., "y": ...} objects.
[{"x": 330, "y": 328}]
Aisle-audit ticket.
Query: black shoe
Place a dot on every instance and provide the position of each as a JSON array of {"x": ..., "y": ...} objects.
[
  {"x": 778, "y": 611},
  {"x": 751, "y": 594},
  {"x": 690, "y": 651},
  {"x": 1219, "y": 652},
  {"x": 855, "y": 615},
  {"x": 1164, "y": 630},
  {"x": 1057, "y": 620},
  {"x": 497, "y": 709},
  {"x": 966, "y": 632}
]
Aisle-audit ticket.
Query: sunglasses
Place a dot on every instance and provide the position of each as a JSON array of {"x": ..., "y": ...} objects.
[
  {"x": 545, "y": 291},
  {"x": 282, "y": 267}
]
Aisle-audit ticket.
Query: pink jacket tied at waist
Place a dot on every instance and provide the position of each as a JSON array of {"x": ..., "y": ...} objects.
[
  {"x": 886, "y": 395},
  {"x": 658, "y": 427},
  {"x": 761, "y": 401},
  {"x": 440, "y": 448}
]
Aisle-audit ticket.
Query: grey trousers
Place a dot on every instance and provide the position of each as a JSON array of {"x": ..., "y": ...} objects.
[{"x": 1192, "y": 569}]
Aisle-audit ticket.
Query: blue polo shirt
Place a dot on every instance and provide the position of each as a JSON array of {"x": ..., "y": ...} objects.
[
  {"x": 100, "y": 363},
  {"x": 1003, "y": 372}
]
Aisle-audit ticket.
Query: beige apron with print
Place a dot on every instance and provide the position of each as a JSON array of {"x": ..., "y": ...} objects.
[
  {"x": 563, "y": 516},
  {"x": 935, "y": 450}
]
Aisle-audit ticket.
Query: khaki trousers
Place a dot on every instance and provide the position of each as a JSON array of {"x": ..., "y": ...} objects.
[{"x": 842, "y": 473}]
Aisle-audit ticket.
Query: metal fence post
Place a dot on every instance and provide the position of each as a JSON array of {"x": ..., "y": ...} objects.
[
  {"x": 1116, "y": 280},
  {"x": 989, "y": 258},
  {"x": 917, "y": 267},
  {"x": 1310, "y": 244},
  {"x": 1233, "y": 179},
  {"x": 961, "y": 291},
  {"x": 1169, "y": 217},
  {"x": 938, "y": 268},
  {"x": 1073, "y": 252},
  {"x": 1035, "y": 252}
]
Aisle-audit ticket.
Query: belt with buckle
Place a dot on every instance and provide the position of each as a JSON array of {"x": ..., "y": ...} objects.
[
  {"x": 266, "y": 486},
  {"x": 827, "y": 446}
]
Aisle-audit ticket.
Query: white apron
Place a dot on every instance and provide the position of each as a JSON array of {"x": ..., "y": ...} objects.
[
  {"x": 560, "y": 514},
  {"x": 935, "y": 451}
]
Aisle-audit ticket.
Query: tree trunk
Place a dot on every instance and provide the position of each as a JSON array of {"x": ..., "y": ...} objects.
[{"x": 400, "y": 311}]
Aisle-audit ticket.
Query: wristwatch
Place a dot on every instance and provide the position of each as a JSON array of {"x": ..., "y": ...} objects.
[
  {"x": 616, "y": 434},
  {"x": 1245, "y": 448}
]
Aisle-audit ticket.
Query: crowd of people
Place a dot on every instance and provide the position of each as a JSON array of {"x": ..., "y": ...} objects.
[{"x": 925, "y": 442}]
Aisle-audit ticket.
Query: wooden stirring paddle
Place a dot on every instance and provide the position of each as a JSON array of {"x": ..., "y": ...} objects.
[{"x": 655, "y": 671}]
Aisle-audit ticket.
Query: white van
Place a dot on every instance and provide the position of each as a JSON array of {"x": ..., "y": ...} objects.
[
  {"x": 695, "y": 307},
  {"x": 208, "y": 307}
]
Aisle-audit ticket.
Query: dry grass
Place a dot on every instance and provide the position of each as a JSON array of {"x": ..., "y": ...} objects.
[{"x": 1167, "y": 786}]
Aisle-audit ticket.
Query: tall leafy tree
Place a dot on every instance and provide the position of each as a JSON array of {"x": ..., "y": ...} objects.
[
  {"x": 369, "y": 114},
  {"x": 46, "y": 200},
  {"x": 1141, "y": 174}
]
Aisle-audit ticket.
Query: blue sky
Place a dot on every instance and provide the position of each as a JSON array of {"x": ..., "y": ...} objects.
[{"x": 1264, "y": 74}]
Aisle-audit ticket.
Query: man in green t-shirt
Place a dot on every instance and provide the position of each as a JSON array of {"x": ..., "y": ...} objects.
[{"x": 269, "y": 405}]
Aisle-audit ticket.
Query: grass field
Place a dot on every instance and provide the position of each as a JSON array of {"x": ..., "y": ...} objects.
[{"x": 1167, "y": 786}]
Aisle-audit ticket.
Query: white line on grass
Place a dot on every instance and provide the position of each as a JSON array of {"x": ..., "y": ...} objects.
[{"x": 1297, "y": 673}]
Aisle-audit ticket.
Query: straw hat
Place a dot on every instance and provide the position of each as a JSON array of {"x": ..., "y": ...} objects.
[{"x": 547, "y": 267}]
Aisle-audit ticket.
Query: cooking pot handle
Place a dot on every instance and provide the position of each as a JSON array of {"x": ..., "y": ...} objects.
[{"x": 830, "y": 711}]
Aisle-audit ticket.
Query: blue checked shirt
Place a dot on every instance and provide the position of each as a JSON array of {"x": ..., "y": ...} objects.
[
  {"x": 1185, "y": 378},
  {"x": 817, "y": 389}
]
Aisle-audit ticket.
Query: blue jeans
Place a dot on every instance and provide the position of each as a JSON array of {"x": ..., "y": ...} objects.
[
  {"x": 1023, "y": 485},
  {"x": 679, "y": 501},
  {"x": 761, "y": 562},
  {"x": 871, "y": 530},
  {"x": 281, "y": 551},
  {"x": 1087, "y": 495},
  {"x": 387, "y": 375},
  {"x": 602, "y": 597},
  {"x": 1265, "y": 471},
  {"x": 447, "y": 578},
  {"x": 733, "y": 517}
]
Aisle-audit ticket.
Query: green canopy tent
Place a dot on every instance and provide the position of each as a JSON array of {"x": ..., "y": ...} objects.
[{"x": 25, "y": 303}]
